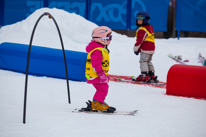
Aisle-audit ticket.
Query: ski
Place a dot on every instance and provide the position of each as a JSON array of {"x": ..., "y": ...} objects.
[
  {"x": 129, "y": 113},
  {"x": 128, "y": 79},
  {"x": 178, "y": 59},
  {"x": 202, "y": 59},
  {"x": 141, "y": 82}
]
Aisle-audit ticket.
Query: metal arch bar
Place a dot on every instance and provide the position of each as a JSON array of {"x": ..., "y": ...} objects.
[
  {"x": 28, "y": 58},
  {"x": 65, "y": 63}
]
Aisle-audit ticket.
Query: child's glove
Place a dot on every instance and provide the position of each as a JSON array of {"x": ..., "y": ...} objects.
[
  {"x": 136, "y": 52},
  {"x": 103, "y": 78}
]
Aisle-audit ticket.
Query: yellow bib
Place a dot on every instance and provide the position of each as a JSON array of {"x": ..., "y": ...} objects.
[
  {"x": 90, "y": 72},
  {"x": 150, "y": 36}
]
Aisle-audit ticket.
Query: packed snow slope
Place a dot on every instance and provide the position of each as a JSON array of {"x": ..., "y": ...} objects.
[{"x": 48, "y": 111}]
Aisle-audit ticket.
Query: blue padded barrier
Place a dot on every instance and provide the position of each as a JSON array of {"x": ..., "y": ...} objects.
[{"x": 43, "y": 61}]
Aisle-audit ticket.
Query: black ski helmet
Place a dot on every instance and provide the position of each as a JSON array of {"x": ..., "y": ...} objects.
[{"x": 147, "y": 17}]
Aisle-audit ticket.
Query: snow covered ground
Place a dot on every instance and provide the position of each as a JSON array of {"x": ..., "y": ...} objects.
[{"x": 48, "y": 111}]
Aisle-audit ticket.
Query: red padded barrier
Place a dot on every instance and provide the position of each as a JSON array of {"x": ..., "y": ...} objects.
[{"x": 186, "y": 80}]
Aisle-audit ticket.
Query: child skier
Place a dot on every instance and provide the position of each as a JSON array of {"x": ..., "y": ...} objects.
[
  {"x": 97, "y": 67},
  {"x": 145, "y": 45}
]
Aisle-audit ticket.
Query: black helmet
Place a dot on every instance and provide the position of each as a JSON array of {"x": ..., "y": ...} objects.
[{"x": 146, "y": 19}]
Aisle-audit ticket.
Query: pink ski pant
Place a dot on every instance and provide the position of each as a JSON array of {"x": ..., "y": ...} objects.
[{"x": 101, "y": 91}]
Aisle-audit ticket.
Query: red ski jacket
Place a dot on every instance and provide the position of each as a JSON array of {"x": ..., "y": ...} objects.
[{"x": 145, "y": 41}]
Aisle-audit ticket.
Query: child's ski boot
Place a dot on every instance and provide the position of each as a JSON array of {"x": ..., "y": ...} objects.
[
  {"x": 152, "y": 77},
  {"x": 98, "y": 106},
  {"x": 144, "y": 77},
  {"x": 110, "y": 108}
]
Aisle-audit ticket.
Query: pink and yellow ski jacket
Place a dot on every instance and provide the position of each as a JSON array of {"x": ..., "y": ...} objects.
[{"x": 97, "y": 61}]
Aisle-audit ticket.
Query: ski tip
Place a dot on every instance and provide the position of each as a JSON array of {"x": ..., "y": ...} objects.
[{"x": 133, "y": 113}]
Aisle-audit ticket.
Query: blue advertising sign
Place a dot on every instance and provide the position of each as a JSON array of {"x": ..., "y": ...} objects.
[
  {"x": 112, "y": 14},
  {"x": 158, "y": 10},
  {"x": 15, "y": 11},
  {"x": 116, "y": 14},
  {"x": 191, "y": 15},
  {"x": 72, "y": 6}
]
